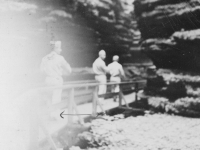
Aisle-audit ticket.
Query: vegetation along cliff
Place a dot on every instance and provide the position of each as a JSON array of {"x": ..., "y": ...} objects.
[{"x": 170, "y": 37}]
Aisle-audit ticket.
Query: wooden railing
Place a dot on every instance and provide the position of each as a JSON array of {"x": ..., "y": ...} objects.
[{"x": 70, "y": 103}]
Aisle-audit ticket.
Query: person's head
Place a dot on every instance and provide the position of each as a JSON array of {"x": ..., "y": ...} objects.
[
  {"x": 102, "y": 54},
  {"x": 116, "y": 58},
  {"x": 57, "y": 47}
]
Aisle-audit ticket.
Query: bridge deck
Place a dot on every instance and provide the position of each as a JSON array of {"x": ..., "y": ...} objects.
[{"x": 54, "y": 126}]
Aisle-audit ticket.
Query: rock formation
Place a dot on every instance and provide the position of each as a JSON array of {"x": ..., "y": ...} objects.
[
  {"x": 170, "y": 37},
  {"x": 170, "y": 33}
]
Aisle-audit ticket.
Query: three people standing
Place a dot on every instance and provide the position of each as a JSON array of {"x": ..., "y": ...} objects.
[{"x": 53, "y": 65}]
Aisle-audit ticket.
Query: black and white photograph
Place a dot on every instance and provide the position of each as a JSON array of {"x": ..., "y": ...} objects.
[{"x": 99, "y": 74}]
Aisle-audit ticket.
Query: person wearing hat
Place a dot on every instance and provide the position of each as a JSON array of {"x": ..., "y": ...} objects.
[
  {"x": 53, "y": 65},
  {"x": 100, "y": 70},
  {"x": 116, "y": 73}
]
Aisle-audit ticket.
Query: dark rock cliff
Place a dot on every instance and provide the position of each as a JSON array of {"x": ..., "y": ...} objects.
[
  {"x": 170, "y": 32},
  {"x": 170, "y": 36}
]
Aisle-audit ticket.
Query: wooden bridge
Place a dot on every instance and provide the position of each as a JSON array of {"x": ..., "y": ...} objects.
[{"x": 78, "y": 97}]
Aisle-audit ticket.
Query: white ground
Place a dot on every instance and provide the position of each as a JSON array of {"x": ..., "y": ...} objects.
[{"x": 150, "y": 132}]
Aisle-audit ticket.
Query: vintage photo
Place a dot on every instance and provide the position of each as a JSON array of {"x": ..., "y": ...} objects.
[{"x": 99, "y": 74}]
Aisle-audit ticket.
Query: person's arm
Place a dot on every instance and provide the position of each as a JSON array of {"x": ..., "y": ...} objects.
[
  {"x": 66, "y": 66},
  {"x": 105, "y": 68},
  {"x": 42, "y": 65},
  {"x": 122, "y": 72},
  {"x": 108, "y": 69}
]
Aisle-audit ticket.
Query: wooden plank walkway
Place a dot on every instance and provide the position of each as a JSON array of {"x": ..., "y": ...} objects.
[
  {"x": 54, "y": 126},
  {"x": 42, "y": 128}
]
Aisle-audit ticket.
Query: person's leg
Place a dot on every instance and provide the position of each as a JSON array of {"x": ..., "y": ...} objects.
[
  {"x": 56, "y": 94},
  {"x": 115, "y": 87},
  {"x": 101, "y": 90},
  {"x": 102, "y": 87},
  {"x": 113, "y": 90}
]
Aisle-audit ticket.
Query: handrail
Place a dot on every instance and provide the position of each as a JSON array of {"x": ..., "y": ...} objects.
[
  {"x": 138, "y": 64},
  {"x": 69, "y": 86},
  {"x": 81, "y": 81},
  {"x": 43, "y": 85}
]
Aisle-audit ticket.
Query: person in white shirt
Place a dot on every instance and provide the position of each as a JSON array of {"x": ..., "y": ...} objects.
[
  {"x": 116, "y": 73},
  {"x": 100, "y": 70},
  {"x": 53, "y": 65}
]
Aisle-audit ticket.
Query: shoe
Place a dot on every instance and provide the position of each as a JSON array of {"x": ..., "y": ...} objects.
[
  {"x": 104, "y": 114},
  {"x": 81, "y": 122}
]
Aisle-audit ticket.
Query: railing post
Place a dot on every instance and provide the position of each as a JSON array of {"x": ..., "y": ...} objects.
[
  {"x": 94, "y": 102},
  {"x": 120, "y": 96},
  {"x": 53, "y": 145},
  {"x": 34, "y": 123},
  {"x": 70, "y": 105},
  {"x": 136, "y": 91}
]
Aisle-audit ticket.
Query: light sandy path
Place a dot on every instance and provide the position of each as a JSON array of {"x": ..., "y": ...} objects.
[{"x": 150, "y": 132}]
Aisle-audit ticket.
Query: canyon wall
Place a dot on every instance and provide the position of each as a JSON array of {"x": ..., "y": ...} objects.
[{"x": 170, "y": 32}]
